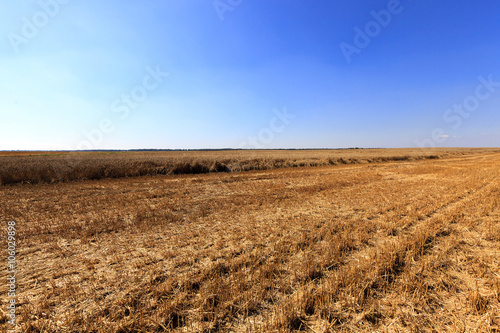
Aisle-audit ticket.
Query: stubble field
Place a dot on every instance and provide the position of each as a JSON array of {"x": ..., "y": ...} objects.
[{"x": 319, "y": 241}]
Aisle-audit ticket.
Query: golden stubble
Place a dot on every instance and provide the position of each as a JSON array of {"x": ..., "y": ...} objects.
[{"x": 401, "y": 245}]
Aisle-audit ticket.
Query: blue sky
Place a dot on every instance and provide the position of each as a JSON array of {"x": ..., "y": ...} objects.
[{"x": 249, "y": 73}]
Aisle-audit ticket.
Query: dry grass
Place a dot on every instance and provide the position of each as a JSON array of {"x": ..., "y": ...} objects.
[
  {"x": 394, "y": 246},
  {"x": 50, "y": 167}
]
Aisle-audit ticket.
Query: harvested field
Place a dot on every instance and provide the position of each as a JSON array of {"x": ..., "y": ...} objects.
[
  {"x": 389, "y": 241},
  {"x": 50, "y": 167}
]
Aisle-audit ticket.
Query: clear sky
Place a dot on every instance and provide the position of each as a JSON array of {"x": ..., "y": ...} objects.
[{"x": 88, "y": 74}]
